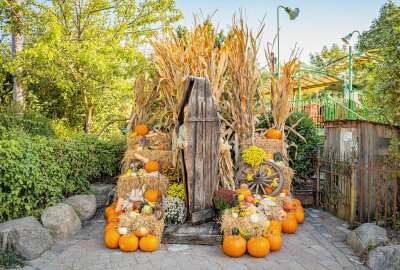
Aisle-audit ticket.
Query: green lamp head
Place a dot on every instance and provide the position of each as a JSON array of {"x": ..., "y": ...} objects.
[
  {"x": 293, "y": 13},
  {"x": 347, "y": 38}
]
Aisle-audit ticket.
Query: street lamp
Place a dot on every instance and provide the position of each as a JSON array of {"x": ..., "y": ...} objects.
[
  {"x": 293, "y": 13},
  {"x": 346, "y": 40}
]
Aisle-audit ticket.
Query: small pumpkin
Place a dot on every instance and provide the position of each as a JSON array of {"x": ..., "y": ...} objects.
[
  {"x": 275, "y": 241},
  {"x": 292, "y": 215},
  {"x": 273, "y": 134},
  {"x": 289, "y": 225},
  {"x": 276, "y": 225},
  {"x": 114, "y": 204},
  {"x": 269, "y": 156},
  {"x": 148, "y": 243},
  {"x": 111, "y": 239},
  {"x": 128, "y": 243},
  {"x": 296, "y": 207},
  {"x": 296, "y": 202},
  {"x": 110, "y": 226},
  {"x": 254, "y": 218},
  {"x": 112, "y": 219},
  {"x": 141, "y": 232},
  {"x": 152, "y": 166},
  {"x": 142, "y": 130},
  {"x": 299, "y": 216},
  {"x": 109, "y": 211},
  {"x": 245, "y": 192},
  {"x": 268, "y": 190},
  {"x": 123, "y": 230},
  {"x": 161, "y": 147},
  {"x": 284, "y": 190},
  {"x": 258, "y": 247},
  {"x": 152, "y": 194},
  {"x": 234, "y": 245},
  {"x": 287, "y": 206}
]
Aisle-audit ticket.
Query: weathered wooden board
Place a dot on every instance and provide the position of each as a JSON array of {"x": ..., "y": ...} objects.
[
  {"x": 200, "y": 158},
  {"x": 203, "y": 234}
]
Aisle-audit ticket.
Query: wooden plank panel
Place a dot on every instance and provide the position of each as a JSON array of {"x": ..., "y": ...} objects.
[{"x": 192, "y": 239}]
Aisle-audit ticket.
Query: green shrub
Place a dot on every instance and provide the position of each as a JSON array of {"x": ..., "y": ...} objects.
[
  {"x": 37, "y": 172},
  {"x": 9, "y": 258}
]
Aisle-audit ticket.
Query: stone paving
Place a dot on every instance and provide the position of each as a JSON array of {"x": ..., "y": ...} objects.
[{"x": 319, "y": 243}]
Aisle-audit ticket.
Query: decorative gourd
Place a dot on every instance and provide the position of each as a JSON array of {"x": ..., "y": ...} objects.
[
  {"x": 128, "y": 243},
  {"x": 284, "y": 190},
  {"x": 141, "y": 232},
  {"x": 111, "y": 239},
  {"x": 286, "y": 206},
  {"x": 245, "y": 192},
  {"x": 152, "y": 194},
  {"x": 273, "y": 134},
  {"x": 275, "y": 241},
  {"x": 112, "y": 219},
  {"x": 269, "y": 156},
  {"x": 114, "y": 204},
  {"x": 142, "y": 130},
  {"x": 268, "y": 190},
  {"x": 109, "y": 211},
  {"x": 289, "y": 225},
  {"x": 110, "y": 226},
  {"x": 299, "y": 216},
  {"x": 152, "y": 166},
  {"x": 123, "y": 230},
  {"x": 254, "y": 218},
  {"x": 148, "y": 243},
  {"x": 161, "y": 147},
  {"x": 258, "y": 247},
  {"x": 234, "y": 245},
  {"x": 118, "y": 208},
  {"x": 276, "y": 225}
]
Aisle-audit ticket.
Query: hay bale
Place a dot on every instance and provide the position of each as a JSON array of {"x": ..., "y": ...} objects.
[
  {"x": 271, "y": 212},
  {"x": 151, "y": 140},
  {"x": 150, "y": 222},
  {"x": 254, "y": 229},
  {"x": 269, "y": 145},
  {"x": 127, "y": 182},
  {"x": 164, "y": 157},
  {"x": 287, "y": 176}
]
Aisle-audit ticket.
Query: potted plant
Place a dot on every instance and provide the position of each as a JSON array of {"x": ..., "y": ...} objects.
[{"x": 223, "y": 199}]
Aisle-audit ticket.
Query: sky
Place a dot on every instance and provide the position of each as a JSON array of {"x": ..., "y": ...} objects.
[{"x": 320, "y": 22}]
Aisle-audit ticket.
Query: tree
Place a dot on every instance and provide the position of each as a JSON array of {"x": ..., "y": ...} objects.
[
  {"x": 383, "y": 92},
  {"x": 82, "y": 55},
  {"x": 327, "y": 55}
]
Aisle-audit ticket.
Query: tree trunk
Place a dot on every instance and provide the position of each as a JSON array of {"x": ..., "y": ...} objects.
[
  {"x": 88, "y": 118},
  {"x": 16, "y": 47}
]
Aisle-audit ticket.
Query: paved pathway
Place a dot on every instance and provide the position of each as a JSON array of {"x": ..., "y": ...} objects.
[{"x": 319, "y": 243}]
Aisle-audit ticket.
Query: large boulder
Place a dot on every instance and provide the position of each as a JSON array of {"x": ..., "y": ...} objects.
[
  {"x": 384, "y": 258},
  {"x": 26, "y": 235},
  {"x": 84, "y": 205},
  {"x": 103, "y": 192},
  {"x": 61, "y": 220},
  {"x": 366, "y": 237}
]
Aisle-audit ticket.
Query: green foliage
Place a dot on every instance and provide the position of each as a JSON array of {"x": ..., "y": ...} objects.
[
  {"x": 9, "y": 258},
  {"x": 301, "y": 155},
  {"x": 383, "y": 90},
  {"x": 223, "y": 199},
  {"x": 176, "y": 190},
  {"x": 37, "y": 172},
  {"x": 327, "y": 55}
]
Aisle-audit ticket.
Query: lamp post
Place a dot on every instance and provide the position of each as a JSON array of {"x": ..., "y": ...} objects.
[
  {"x": 293, "y": 13},
  {"x": 346, "y": 40}
]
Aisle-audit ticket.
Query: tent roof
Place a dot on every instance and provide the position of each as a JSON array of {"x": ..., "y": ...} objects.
[{"x": 310, "y": 77}]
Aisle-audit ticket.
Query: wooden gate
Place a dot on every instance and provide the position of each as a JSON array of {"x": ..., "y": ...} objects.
[{"x": 200, "y": 157}]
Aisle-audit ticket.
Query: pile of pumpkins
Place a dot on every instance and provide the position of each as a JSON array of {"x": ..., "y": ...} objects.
[{"x": 236, "y": 245}]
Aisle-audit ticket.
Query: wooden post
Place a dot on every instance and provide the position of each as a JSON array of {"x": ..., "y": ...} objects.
[
  {"x": 317, "y": 199},
  {"x": 353, "y": 187}
]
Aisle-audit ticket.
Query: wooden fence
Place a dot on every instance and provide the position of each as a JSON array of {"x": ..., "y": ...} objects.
[{"x": 360, "y": 192}]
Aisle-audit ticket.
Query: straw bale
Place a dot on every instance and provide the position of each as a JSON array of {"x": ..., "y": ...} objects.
[
  {"x": 126, "y": 183},
  {"x": 254, "y": 229},
  {"x": 150, "y": 222},
  {"x": 287, "y": 176},
  {"x": 153, "y": 140},
  {"x": 269, "y": 145},
  {"x": 162, "y": 156}
]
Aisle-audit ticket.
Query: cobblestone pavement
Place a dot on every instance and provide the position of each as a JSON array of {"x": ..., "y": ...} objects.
[{"x": 319, "y": 243}]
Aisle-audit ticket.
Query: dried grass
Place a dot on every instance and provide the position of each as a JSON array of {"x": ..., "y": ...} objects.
[
  {"x": 147, "y": 141},
  {"x": 287, "y": 177},
  {"x": 162, "y": 156},
  {"x": 254, "y": 229},
  {"x": 127, "y": 183},
  {"x": 150, "y": 222},
  {"x": 269, "y": 145}
]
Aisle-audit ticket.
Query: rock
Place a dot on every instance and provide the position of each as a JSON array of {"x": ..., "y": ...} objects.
[
  {"x": 384, "y": 258},
  {"x": 102, "y": 193},
  {"x": 26, "y": 235},
  {"x": 366, "y": 237},
  {"x": 61, "y": 220},
  {"x": 84, "y": 205}
]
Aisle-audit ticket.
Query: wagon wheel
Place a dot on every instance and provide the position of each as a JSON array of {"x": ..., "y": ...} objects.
[
  {"x": 159, "y": 208},
  {"x": 262, "y": 176}
]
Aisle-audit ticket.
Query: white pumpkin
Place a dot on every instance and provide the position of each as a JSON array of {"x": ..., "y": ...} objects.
[
  {"x": 122, "y": 230},
  {"x": 254, "y": 218},
  {"x": 235, "y": 215}
]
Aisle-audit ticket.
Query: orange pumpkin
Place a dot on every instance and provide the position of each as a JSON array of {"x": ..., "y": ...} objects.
[
  {"x": 109, "y": 211},
  {"x": 268, "y": 190},
  {"x": 114, "y": 204},
  {"x": 142, "y": 130},
  {"x": 111, "y": 239},
  {"x": 276, "y": 225},
  {"x": 161, "y": 147},
  {"x": 245, "y": 192},
  {"x": 112, "y": 219},
  {"x": 128, "y": 243},
  {"x": 284, "y": 190},
  {"x": 148, "y": 243},
  {"x": 299, "y": 216},
  {"x": 152, "y": 166},
  {"x": 296, "y": 202},
  {"x": 292, "y": 215},
  {"x": 296, "y": 207},
  {"x": 152, "y": 194},
  {"x": 287, "y": 206},
  {"x": 110, "y": 226},
  {"x": 234, "y": 246},
  {"x": 273, "y": 134},
  {"x": 289, "y": 225},
  {"x": 141, "y": 232},
  {"x": 275, "y": 241},
  {"x": 258, "y": 247}
]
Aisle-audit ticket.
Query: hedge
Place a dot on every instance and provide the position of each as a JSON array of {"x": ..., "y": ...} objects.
[{"x": 37, "y": 171}]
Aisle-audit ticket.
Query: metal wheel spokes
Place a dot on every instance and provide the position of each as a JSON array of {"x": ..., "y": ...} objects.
[{"x": 262, "y": 176}]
